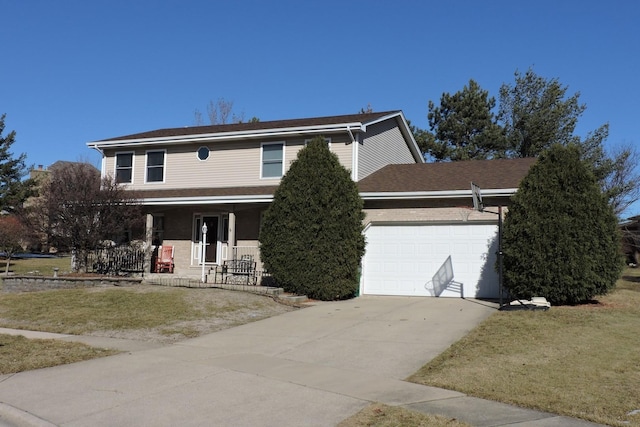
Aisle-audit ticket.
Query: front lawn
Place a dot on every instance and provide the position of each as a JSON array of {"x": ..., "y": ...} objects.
[{"x": 579, "y": 361}]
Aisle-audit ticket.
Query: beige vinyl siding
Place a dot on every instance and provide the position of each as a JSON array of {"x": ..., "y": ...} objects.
[
  {"x": 382, "y": 144},
  {"x": 230, "y": 164},
  {"x": 341, "y": 146}
]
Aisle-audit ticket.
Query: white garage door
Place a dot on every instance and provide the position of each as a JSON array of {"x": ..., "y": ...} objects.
[{"x": 403, "y": 260}]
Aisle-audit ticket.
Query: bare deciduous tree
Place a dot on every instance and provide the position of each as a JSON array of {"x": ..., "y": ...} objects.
[
  {"x": 12, "y": 234},
  {"x": 622, "y": 183},
  {"x": 79, "y": 210},
  {"x": 221, "y": 112}
]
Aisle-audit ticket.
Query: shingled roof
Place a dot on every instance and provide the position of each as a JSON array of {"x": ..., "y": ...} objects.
[
  {"x": 404, "y": 178},
  {"x": 254, "y": 126},
  {"x": 447, "y": 176}
]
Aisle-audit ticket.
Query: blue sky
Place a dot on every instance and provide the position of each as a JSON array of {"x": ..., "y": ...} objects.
[{"x": 76, "y": 71}]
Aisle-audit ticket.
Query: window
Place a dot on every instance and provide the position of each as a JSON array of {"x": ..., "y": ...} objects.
[
  {"x": 155, "y": 166},
  {"x": 158, "y": 230},
  {"x": 124, "y": 168},
  {"x": 225, "y": 228},
  {"x": 272, "y": 160},
  {"x": 203, "y": 153}
]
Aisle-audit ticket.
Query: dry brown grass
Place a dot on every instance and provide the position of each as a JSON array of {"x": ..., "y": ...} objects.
[
  {"x": 144, "y": 312},
  {"x": 18, "y": 353},
  {"x": 579, "y": 361},
  {"x": 380, "y": 415}
]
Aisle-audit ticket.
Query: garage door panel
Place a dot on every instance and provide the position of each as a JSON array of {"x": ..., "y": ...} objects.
[{"x": 402, "y": 259}]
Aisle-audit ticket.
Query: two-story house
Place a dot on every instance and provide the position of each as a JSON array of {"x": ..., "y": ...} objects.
[{"x": 225, "y": 176}]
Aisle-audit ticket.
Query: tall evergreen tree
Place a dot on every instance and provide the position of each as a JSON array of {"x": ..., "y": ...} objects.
[
  {"x": 463, "y": 126},
  {"x": 13, "y": 190},
  {"x": 560, "y": 237},
  {"x": 311, "y": 238},
  {"x": 536, "y": 113}
]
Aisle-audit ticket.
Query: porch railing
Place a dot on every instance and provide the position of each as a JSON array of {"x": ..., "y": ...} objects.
[
  {"x": 116, "y": 260},
  {"x": 240, "y": 252}
]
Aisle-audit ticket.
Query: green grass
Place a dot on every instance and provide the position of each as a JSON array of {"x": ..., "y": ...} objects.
[
  {"x": 42, "y": 266},
  {"x": 579, "y": 361}
]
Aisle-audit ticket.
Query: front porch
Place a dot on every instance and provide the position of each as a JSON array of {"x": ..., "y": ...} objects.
[
  {"x": 206, "y": 238},
  {"x": 239, "y": 265}
]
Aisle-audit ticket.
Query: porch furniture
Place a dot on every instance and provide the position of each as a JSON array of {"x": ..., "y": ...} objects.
[
  {"x": 164, "y": 261},
  {"x": 242, "y": 271}
]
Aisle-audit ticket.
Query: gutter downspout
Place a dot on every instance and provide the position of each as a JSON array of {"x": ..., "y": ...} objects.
[
  {"x": 354, "y": 155},
  {"x": 102, "y": 161}
]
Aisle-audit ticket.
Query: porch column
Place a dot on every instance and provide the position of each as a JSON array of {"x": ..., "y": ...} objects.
[
  {"x": 232, "y": 230},
  {"x": 148, "y": 242}
]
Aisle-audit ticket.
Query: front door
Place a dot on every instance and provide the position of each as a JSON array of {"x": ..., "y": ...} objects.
[
  {"x": 211, "y": 250},
  {"x": 212, "y": 239}
]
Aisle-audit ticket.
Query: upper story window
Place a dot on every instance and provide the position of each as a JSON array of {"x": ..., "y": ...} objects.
[
  {"x": 124, "y": 168},
  {"x": 203, "y": 153},
  {"x": 272, "y": 160},
  {"x": 155, "y": 166}
]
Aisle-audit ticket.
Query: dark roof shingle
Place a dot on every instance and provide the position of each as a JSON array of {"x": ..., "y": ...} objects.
[
  {"x": 254, "y": 126},
  {"x": 447, "y": 176}
]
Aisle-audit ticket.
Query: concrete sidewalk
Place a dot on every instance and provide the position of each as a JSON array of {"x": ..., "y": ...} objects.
[{"x": 311, "y": 367}]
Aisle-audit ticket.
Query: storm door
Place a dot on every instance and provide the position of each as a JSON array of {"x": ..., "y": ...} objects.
[{"x": 211, "y": 250}]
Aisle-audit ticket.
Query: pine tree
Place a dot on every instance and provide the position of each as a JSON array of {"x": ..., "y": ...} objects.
[
  {"x": 560, "y": 237},
  {"x": 13, "y": 190},
  {"x": 463, "y": 126},
  {"x": 311, "y": 239}
]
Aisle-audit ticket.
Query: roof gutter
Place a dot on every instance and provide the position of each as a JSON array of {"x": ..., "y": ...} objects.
[
  {"x": 229, "y": 136},
  {"x": 449, "y": 194},
  {"x": 208, "y": 200},
  {"x": 102, "y": 159},
  {"x": 268, "y": 198}
]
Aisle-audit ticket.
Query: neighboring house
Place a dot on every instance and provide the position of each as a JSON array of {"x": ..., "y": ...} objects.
[
  {"x": 225, "y": 176},
  {"x": 630, "y": 230}
]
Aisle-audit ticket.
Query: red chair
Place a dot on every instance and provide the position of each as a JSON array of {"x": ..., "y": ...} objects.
[{"x": 165, "y": 259}]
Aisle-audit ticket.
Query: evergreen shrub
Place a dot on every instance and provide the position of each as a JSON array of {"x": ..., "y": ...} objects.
[
  {"x": 560, "y": 236},
  {"x": 311, "y": 238}
]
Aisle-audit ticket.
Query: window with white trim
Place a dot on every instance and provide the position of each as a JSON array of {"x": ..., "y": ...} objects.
[
  {"x": 155, "y": 166},
  {"x": 124, "y": 168},
  {"x": 272, "y": 160}
]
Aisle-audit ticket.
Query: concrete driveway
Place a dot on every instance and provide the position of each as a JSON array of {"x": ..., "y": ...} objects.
[{"x": 311, "y": 367}]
